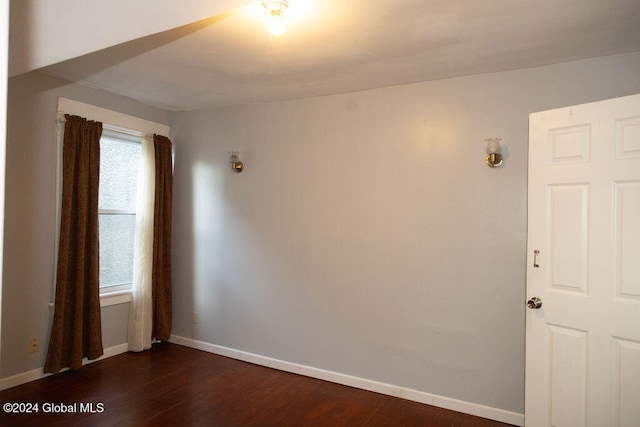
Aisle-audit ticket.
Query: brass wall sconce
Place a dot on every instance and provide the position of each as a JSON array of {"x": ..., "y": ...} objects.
[
  {"x": 234, "y": 161},
  {"x": 494, "y": 152}
]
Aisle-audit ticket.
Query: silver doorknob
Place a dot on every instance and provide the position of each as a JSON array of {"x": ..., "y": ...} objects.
[{"x": 534, "y": 303}]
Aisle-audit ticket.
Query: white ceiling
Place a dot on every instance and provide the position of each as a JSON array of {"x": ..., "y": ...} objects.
[{"x": 335, "y": 46}]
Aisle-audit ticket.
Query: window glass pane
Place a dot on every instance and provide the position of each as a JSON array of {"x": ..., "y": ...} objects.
[
  {"x": 118, "y": 174},
  {"x": 116, "y": 249}
]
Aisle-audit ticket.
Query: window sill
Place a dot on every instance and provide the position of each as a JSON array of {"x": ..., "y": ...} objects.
[{"x": 115, "y": 298}]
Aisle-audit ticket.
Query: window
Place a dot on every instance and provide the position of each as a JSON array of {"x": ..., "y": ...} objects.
[
  {"x": 119, "y": 162},
  {"x": 120, "y": 155}
]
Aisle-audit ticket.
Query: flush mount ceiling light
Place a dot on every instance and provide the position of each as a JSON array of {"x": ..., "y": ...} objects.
[{"x": 275, "y": 13}]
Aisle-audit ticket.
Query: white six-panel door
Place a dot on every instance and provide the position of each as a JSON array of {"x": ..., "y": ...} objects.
[{"x": 583, "y": 343}]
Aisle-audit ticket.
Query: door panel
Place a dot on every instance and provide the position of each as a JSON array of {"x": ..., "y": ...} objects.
[
  {"x": 626, "y": 370},
  {"x": 628, "y": 138},
  {"x": 567, "y": 360},
  {"x": 627, "y": 238},
  {"x": 583, "y": 343},
  {"x": 568, "y": 236},
  {"x": 570, "y": 144}
]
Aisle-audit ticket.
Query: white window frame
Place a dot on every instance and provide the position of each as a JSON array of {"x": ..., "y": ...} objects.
[{"x": 113, "y": 121}]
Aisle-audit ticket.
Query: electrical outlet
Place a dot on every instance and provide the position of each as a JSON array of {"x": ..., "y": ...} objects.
[
  {"x": 34, "y": 345},
  {"x": 194, "y": 317}
]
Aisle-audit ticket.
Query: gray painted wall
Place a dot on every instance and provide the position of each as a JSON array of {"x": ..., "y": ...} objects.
[
  {"x": 366, "y": 235},
  {"x": 30, "y": 214}
]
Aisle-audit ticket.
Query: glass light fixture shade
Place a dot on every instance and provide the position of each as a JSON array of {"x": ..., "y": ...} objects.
[
  {"x": 275, "y": 10},
  {"x": 276, "y": 24},
  {"x": 493, "y": 145}
]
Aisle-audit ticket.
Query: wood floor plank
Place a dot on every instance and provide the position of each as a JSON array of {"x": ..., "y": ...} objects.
[{"x": 174, "y": 385}]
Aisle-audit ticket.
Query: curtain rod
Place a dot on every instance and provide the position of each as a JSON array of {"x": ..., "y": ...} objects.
[{"x": 111, "y": 128}]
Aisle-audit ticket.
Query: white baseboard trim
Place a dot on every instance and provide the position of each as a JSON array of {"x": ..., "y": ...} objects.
[
  {"x": 37, "y": 374},
  {"x": 361, "y": 383}
]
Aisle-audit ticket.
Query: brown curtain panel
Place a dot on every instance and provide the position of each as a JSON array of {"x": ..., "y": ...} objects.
[
  {"x": 76, "y": 331},
  {"x": 161, "y": 275}
]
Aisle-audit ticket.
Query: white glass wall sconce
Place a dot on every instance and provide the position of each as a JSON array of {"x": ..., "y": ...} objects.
[
  {"x": 234, "y": 161},
  {"x": 494, "y": 152}
]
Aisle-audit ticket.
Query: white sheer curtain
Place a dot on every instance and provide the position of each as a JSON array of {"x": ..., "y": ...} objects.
[{"x": 141, "y": 315}]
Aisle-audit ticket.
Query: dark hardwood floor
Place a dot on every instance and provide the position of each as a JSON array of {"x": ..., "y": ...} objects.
[{"x": 173, "y": 385}]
